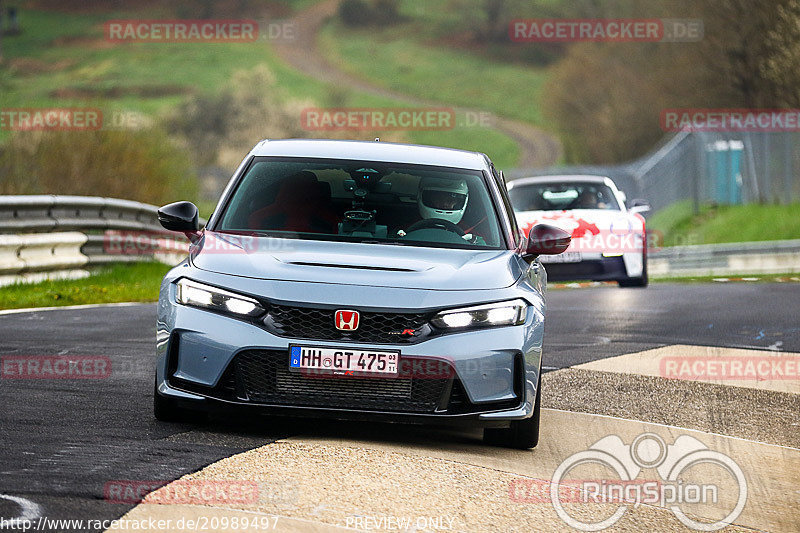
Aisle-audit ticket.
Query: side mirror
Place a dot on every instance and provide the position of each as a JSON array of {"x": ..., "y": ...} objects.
[
  {"x": 639, "y": 206},
  {"x": 181, "y": 216},
  {"x": 544, "y": 239}
]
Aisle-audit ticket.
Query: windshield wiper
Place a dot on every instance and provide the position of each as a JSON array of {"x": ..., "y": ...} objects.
[{"x": 393, "y": 243}]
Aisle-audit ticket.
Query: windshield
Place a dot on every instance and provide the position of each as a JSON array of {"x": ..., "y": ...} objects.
[
  {"x": 560, "y": 196},
  {"x": 362, "y": 201}
]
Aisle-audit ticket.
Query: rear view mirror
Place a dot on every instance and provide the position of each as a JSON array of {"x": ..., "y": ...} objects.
[
  {"x": 179, "y": 216},
  {"x": 544, "y": 239},
  {"x": 639, "y": 206}
]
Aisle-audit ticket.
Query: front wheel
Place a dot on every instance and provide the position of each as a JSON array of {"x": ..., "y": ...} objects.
[{"x": 522, "y": 434}]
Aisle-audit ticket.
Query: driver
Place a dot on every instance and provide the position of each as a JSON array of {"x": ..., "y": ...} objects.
[
  {"x": 443, "y": 198},
  {"x": 587, "y": 199}
]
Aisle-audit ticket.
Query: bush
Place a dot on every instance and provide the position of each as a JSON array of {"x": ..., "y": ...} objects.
[
  {"x": 138, "y": 165},
  {"x": 375, "y": 13},
  {"x": 220, "y": 128},
  {"x": 354, "y": 12}
]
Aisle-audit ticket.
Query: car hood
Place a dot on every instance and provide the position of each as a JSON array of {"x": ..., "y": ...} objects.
[{"x": 376, "y": 265}]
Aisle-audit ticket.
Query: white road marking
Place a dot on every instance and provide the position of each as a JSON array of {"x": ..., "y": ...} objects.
[
  {"x": 30, "y": 510},
  {"x": 66, "y": 307},
  {"x": 734, "y": 367}
]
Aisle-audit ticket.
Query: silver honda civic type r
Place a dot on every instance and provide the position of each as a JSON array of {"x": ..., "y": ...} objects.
[{"x": 358, "y": 280}]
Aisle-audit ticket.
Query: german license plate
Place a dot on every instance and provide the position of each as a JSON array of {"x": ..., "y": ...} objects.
[
  {"x": 566, "y": 257},
  {"x": 347, "y": 362}
]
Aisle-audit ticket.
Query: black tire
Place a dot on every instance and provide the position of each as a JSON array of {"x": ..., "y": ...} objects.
[
  {"x": 522, "y": 434},
  {"x": 165, "y": 410}
]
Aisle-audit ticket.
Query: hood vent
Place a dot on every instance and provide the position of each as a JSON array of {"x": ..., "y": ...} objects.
[{"x": 357, "y": 267}]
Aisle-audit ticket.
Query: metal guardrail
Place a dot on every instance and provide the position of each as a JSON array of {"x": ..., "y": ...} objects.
[
  {"x": 29, "y": 214},
  {"x": 61, "y": 235},
  {"x": 41, "y": 252},
  {"x": 768, "y": 257}
]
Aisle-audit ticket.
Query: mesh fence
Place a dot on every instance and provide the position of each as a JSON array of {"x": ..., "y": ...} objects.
[{"x": 706, "y": 168}]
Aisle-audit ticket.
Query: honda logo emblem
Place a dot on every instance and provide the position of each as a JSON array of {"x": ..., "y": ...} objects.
[{"x": 346, "y": 320}]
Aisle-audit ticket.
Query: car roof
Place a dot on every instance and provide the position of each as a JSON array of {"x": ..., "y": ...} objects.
[
  {"x": 591, "y": 178},
  {"x": 372, "y": 151}
]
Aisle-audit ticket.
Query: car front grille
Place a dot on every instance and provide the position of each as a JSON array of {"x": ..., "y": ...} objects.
[
  {"x": 318, "y": 324},
  {"x": 263, "y": 377}
]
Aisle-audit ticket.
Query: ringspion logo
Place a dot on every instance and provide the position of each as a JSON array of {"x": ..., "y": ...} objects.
[{"x": 689, "y": 475}]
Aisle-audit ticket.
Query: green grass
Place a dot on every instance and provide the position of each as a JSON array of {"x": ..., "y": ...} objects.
[
  {"x": 138, "y": 282},
  {"x": 91, "y": 63},
  {"x": 724, "y": 224},
  {"x": 398, "y": 59},
  {"x": 751, "y": 278},
  {"x": 36, "y": 67}
]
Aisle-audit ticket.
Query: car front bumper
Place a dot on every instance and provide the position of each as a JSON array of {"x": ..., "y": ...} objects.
[
  {"x": 595, "y": 267},
  {"x": 212, "y": 361}
]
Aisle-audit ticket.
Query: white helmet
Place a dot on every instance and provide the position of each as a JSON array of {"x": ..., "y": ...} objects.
[{"x": 443, "y": 198}]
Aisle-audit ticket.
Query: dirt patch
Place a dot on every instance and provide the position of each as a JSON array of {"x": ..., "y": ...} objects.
[
  {"x": 179, "y": 9},
  {"x": 141, "y": 91},
  {"x": 83, "y": 41},
  {"x": 29, "y": 66}
]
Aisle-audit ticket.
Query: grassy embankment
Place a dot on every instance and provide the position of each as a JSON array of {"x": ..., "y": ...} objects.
[
  {"x": 137, "y": 282},
  {"x": 678, "y": 224},
  {"x": 62, "y": 59}
]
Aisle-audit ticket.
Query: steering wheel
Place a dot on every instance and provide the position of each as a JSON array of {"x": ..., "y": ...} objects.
[{"x": 436, "y": 223}]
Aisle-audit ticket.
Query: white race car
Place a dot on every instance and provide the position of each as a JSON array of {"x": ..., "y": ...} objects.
[{"x": 609, "y": 240}]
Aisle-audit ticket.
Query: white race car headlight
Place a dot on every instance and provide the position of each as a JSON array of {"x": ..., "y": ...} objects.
[
  {"x": 510, "y": 313},
  {"x": 201, "y": 295}
]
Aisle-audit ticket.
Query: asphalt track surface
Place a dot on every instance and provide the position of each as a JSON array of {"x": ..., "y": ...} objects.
[{"x": 63, "y": 440}]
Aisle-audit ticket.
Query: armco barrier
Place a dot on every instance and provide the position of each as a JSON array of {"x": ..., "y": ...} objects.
[
  {"x": 28, "y": 214},
  {"x": 58, "y": 236},
  {"x": 41, "y": 252},
  {"x": 768, "y": 257}
]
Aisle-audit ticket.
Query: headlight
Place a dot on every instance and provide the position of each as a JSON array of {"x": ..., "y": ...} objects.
[
  {"x": 202, "y": 295},
  {"x": 509, "y": 313}
]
